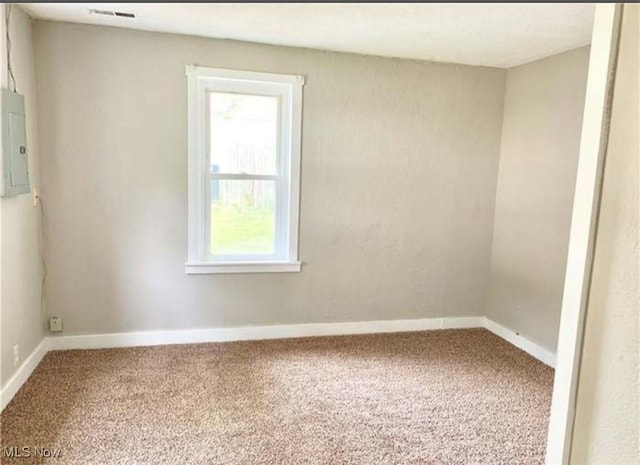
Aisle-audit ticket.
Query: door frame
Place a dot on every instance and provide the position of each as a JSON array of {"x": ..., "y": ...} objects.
[{"x": 586, "y": 204}]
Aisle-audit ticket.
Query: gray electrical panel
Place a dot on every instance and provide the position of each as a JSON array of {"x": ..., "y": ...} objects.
[{"x": 14, "y": 145}]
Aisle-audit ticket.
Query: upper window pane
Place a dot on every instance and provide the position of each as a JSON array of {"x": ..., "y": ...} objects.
[{"x": 243, "y": 133}]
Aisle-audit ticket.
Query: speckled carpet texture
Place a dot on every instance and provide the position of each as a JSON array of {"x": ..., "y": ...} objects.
[{"x": 434, "y": 397}]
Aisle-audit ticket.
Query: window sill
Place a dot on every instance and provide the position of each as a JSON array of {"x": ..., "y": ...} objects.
[{"x": 242, "y": 267}]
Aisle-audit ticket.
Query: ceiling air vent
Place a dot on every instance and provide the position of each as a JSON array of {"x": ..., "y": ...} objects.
[{"x": 121, "y": 14}]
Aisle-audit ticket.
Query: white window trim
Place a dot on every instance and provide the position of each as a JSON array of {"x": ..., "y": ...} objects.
[{"x": 199, "y": 79}]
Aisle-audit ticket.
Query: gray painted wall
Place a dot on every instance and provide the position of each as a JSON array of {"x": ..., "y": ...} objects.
[
  {"x": 21, "y": 320},
  {"x": 399, "y": 168},
  {"x": 544, "y": 101}
]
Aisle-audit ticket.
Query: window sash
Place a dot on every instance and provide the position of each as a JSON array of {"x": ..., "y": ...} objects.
[
  {"x": 281, "y": 226},
  {"x": 246, "y": 176},
  {"x": 280, "y": 142},
  {"x": 280, "y": 179}
]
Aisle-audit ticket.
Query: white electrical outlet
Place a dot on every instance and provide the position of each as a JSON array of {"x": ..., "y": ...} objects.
[
  {"x": 16, "y": 355},
  {"x": 55, "y": 324}
]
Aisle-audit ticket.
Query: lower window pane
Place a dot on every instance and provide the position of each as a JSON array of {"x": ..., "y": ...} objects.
[{"x": 243, "y": 217}]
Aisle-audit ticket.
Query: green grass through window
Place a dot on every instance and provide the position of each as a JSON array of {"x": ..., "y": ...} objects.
[{"x": 241, "y": 228}]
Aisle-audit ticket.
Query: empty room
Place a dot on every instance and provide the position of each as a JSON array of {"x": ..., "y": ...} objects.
[{"x": 319, "y": 233}]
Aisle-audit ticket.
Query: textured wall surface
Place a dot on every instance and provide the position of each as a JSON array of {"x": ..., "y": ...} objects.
[
  {"x": 606, "y": 426},
  {"x": 544, "y": 101},
  {"x": 399, "y": 168},
  {"x": 20, "y": 313}
]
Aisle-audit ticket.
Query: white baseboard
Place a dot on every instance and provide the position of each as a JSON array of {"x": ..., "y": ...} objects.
[
  {"x": 535, "y": 350},
  {"x": 22, "y": 374},
  {"x": 247, "y": 333}
]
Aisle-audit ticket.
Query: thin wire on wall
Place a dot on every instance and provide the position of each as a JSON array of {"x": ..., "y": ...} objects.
[
  {"x": 43, "y": 309},
  {"x": 12, "y": 78}
]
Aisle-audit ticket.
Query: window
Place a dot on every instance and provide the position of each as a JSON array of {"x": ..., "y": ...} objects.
[{"x": 244, "y": 171}]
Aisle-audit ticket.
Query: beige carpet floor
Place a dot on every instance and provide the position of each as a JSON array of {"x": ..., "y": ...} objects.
[{"x": 436, "y": 397}]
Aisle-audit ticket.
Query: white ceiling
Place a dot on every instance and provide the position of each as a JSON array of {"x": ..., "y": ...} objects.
[{"x": 494, "y": 34}]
